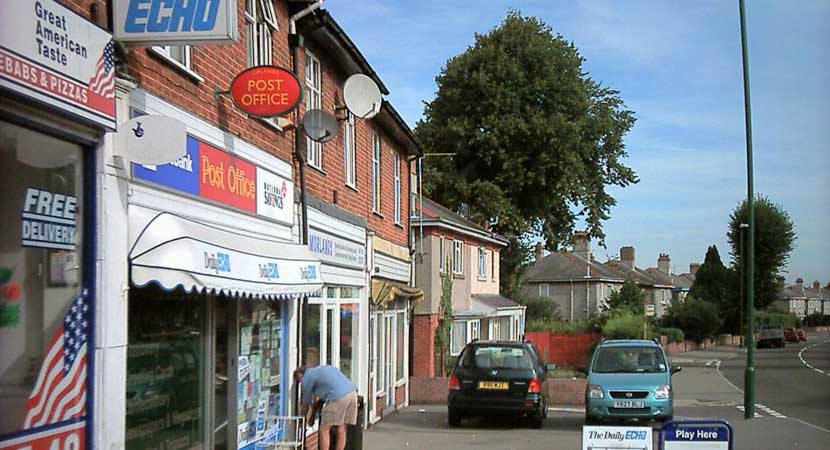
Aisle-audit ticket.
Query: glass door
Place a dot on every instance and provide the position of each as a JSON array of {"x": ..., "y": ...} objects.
[
  {"x": 373, "y": 359},
  {"x": 388, "y": 349}
]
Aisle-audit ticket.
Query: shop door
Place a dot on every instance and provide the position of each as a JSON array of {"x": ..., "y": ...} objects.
[
  {"x": 332, "y": 333},
  {"x": 389, "y": 360},
  {"x": 373, "y": 360}
]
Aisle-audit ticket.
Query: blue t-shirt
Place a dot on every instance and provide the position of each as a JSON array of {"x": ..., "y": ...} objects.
[{"x": 325, "y": 382}]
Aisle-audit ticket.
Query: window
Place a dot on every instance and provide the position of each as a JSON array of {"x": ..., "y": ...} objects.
[
  {"x": 544, "y": 290},
  {"x": 441, "y": 254},
  {"x": 493, "y": 265},
  {"x": 400, "y": 352},
  {"x": 260, "y": 23},
  {"x": 458, "y": 257},
  {"x": 396, "y": 162},
  {"x": 475, "y": 329},
  {"x": 375, "y": 172},
  {"x": 348, "y": 151},
  {"x": 458, "y": 337},
  {"x": 313, "y": 100},
  {"x": 482, "y": 262}
]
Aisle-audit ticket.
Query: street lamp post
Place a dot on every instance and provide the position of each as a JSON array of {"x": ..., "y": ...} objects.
[
  {"x": 749, "y": 374},
  {"x": 742, "y": 262}
]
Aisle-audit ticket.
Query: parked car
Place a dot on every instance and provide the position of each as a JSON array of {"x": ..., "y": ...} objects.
[
  {"x": 790, "y": 334},
  {"x": 802, "y": 335},
  {"x": 771, "y": 336},
  {"x": 629, "y": 379},
  {"x": 498, "y": 378}
]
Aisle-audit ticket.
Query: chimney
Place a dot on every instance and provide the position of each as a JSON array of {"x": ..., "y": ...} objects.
[
  {"x": 693, "y": 268},
  {"x": 664, "y": 263},
  {"x": 816, "y": 286},
  {"x": 627, "y": 256},
  {"x": 582, "y": 245},
  {"x": 799, "y": 284},
  {"x": 538, "y": 252}
]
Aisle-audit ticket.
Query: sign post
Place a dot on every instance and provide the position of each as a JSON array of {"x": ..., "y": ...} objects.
[{"x": 701, "y": 434}]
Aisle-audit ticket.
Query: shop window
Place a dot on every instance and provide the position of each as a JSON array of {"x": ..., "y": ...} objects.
[
  {"x": 349, "y": 340},
  {"x": 311, "y": 336},
  {"x": 313, "y": 100},
  {"x": 400, "y": 376},
  {"x": 40, "y": 275}
]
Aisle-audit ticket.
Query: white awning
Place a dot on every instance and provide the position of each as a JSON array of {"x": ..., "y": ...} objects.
[{"x": 174, "y": 251}]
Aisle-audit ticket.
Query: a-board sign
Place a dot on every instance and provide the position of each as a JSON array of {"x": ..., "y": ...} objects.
[
  {"x": 266, "y": 91},
  {"x": 713, "y": 434},
  {"x": 616, "y": 438}
]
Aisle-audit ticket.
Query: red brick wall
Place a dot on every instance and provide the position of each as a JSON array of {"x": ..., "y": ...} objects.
[
  {"x": 434, "y": 390},
  {"x": 423, "y": 345},
  {"x": 400, "y": 396},
  {"x": 565, "y": 350}
]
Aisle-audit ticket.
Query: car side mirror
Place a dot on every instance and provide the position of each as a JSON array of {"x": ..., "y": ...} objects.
[
  {"x": 675, "y": 369},
  {"x": 582, "y": 369},
  {"x": 550, "y": 366}
]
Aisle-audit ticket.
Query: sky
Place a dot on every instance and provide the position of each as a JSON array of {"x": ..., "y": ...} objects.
[{"x": 677, "y": 65}]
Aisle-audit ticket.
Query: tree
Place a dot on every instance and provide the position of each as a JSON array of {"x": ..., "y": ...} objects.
[
  {"x": 629, "y": 298},
  {"x": 714, "y": 283},
  {"x": 774, "y": 240},
  {"x": 541, "y": 308},
  {"x": 697, "y": 318},
  {"x": 444, "y": 329},
  {"x": 535, "y": 140}
]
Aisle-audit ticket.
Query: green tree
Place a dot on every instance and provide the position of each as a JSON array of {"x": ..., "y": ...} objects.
[
  {"x": 444, "y": 329},
  {"x": 714, "y": 283},
  {"x": 629, "y": 298},
  {"x": 774, "y": 240},
  {"x": 698, "y": 319},
  {"x": 536, "y": 141}
]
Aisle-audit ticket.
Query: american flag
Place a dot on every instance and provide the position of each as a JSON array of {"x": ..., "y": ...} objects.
[
  {"x": 60, "y": 391},
  {"x": 103, "y": 82}
]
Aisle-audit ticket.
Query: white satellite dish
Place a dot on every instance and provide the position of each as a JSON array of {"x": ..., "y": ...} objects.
[
  {"x": 362, "y": 96},
  {"x": 319, "y": 125},
  {"x": 152, "y": 140}
]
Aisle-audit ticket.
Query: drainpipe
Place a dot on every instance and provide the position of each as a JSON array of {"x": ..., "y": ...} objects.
[
  {"x": 295, "y": 41},
  {"x": 572, "y": 300}
]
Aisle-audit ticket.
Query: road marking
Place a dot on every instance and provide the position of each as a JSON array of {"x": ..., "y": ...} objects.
[
  {"x": 710, "y": 362},
  {"x": 741, "y": 407},
  {"x": 808, "y": 365},
  {"x": 566, "y": 409},
  {"x": 771, "y": 411}
]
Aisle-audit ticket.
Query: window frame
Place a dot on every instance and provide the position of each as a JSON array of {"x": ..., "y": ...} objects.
[
  {"x": 376, "y": 170},
  {"x": 457, "y": 256},
  {"x": 349, "y": 157},
  {"x": 260, "y": 24},
  {"x": 441, "y": 262},
  {"x": 313, "y": 79},
  {"x": 546, "y": 289},
  {"x": 185, "y": 65},
  {"x": 396, "y": 170},
  {"x": 482, "y": 263}
]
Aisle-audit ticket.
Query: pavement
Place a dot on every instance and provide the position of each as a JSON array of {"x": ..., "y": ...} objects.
[{"x": 705, "y": 388}]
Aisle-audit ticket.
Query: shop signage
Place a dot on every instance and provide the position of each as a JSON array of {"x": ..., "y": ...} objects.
[
  {"x": 208, "y": 172},
  {"x": 266, "y": 91},
  {"x": 55, "y": 56},
  {"x": 183, "y": 22},
  {"x": 70, "y": 436},
  {"x": 639, "y": 438},
  {"x": 712, "y": 434},
  {"x": 212, "y": 260},
  {"x": 335, "y": 250},
  {"x": 151, "y": 139},
  {"x": 48, "y": 220}
]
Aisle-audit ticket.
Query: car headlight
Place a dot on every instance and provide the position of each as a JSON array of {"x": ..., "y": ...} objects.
[
  {"x": 595, "y": 391},
  {"x": 663, "y": 391}
]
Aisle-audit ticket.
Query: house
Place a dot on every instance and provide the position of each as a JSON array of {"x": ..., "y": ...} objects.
[
  {"x": 804, "y": 301},
  {"x": 657, "y": 284},
  {"x": 448, "y": 246}
]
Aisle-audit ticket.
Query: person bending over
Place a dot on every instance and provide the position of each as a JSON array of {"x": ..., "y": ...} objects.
[{"x": 338, "y": 393}]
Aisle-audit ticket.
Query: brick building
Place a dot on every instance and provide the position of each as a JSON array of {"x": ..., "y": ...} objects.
[{"x": 193, "y": 284}]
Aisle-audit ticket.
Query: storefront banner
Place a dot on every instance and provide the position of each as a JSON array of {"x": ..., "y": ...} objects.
[
  {"x": 182, "y": 22},
  {"x": 55, "y": 56},
  {"x": 334, "y": 250},
  {"x": 211, "y": 173},
  {"x": 70, "y": 436},
  {"x": 633, "y": 438}
]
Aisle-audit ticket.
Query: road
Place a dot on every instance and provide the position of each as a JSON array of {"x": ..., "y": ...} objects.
[
  {"x": 701, "y": 391},
  {"x": 793, "y": 381}
]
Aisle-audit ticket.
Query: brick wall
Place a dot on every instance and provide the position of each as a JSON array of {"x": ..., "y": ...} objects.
[
  {"x": 400, "y": 396},
  {"x": 424, "y": 390},
  {"x": 423, "y": 344}
]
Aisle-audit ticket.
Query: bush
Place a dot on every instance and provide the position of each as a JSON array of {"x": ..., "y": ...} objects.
[
  {"x": 542, "y": 308},
  {"x": 624, "y": 326},
  {"x": 672, "y": 334},
  {"x": 589, "y": 325},
  {"x": 698, "y": 319},
  {"x": 816, "y": 320},
  {"x": 775, "y": 318}
]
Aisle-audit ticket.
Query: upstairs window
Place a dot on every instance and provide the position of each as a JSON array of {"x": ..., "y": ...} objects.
[
  {"x": 396, "y": 162},
  {"x": 441, "y": 254},
  {"x": 260, "y": 24},
  {"x": 375, "y": 172},
  {"x": 482, "y": 262},
  {"x": 348, "y": 152},
  {"x": 313, "y": 100},
  {"x": 458, "y": 257}
]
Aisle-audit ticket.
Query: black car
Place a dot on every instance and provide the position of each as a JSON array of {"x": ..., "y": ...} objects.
[{"x": 498, "y": 378}]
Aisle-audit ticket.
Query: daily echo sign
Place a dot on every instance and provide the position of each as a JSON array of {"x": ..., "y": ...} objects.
[
  {"x": 180, "y": 22},
  {"x": 52, "y": 55}
]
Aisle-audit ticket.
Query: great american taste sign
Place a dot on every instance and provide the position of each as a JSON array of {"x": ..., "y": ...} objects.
[
  {"x": 52, "y": 55},
  {"x": 182, "y": 22}
]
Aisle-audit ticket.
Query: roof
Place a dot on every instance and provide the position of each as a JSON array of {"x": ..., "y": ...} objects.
[
  {"x": 683, "y": 281},
  {"x": 659, "y": 276},
  {"x": 494, "y": 301},
  {"x": 639, "y": 276},
  {"x": 563, "y": 266},
  {"x": 435, "y": 214},
  {"x": 628, "y": 342}
]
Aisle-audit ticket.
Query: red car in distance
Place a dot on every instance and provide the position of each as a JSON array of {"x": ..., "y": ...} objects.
[
  {"x": 790, "y": 335},
  {"x": 802, "y": 335}
]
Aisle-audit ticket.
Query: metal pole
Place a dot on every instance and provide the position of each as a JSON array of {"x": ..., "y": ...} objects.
[
  {"x": 749, "y": 375},
  {"x": 741, "y": 266}
]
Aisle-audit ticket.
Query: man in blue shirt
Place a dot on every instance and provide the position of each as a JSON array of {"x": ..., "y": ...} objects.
[{"x": 340, "y": 409}]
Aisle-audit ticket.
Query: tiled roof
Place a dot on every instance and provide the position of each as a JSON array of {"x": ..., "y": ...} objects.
[
  {"x": 494, "y": 300},
  {"x": 684, "y": 280},
  {"x": 638, "y": 275},
  {"x": 435, "y": 211},
  {"x": 566, "y": 265}
]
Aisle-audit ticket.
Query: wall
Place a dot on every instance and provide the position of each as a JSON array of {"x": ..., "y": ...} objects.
[
  {"x": 427, "y": 275},
  {"x": 423, "y": 344},
  {"x": 489, "y": 283}
]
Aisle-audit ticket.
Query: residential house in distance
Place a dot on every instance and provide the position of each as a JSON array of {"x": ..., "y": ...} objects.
[
  {"x": 803, "y": 301},
  {"x": 574, "y": 280},
  {"x": 657, "y": 284},
  {"x": 447, "y": 244}
]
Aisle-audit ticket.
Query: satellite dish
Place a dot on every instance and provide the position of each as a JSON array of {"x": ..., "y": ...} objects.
[
  {"x": 362, "y": 96},
  {"x": 151, "y": 139},
  {"x": 319, "y": 125}
]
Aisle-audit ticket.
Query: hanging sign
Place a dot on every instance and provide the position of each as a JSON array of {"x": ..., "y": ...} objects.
[
  {"x": 266, "y": 91},
  {"x": 182, "y": 22}
]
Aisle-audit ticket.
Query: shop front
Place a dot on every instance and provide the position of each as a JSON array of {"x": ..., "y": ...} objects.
[{"x": 53, "y": 115}]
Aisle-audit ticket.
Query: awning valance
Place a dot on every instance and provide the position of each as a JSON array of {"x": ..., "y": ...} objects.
[
  {"x": 174, "y": 251},
  {"x": 384, "y": 290}
]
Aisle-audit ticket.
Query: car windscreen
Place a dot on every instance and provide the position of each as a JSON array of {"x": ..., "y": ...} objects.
[
  {"x": 633, "y": 359},
  {"x": 497, "y": 357}
]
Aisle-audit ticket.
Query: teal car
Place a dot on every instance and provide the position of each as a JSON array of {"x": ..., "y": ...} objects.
[{"x": 628, "y": 379}]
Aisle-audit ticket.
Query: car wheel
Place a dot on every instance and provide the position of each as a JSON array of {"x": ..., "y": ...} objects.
[
  {"x": 454, "y": 418},
  {"x": 536, "y": 421}
]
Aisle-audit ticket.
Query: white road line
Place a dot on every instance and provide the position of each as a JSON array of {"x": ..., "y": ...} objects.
[{"x": 808, "y": 365}]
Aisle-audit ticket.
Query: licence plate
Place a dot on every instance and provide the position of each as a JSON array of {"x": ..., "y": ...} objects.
[
  {"x": 499, "y": 385},
  {"x": 627, "y": 404}
]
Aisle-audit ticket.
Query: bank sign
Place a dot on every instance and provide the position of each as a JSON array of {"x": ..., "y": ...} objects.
[
  {"x": 214, "y": 174},
  {"x": 52, "y": 55},
  {"x": 182, "y": 22}
]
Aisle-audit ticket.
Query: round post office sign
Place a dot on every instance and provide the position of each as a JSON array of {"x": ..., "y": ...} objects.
[{"x": 266, "y": 91}]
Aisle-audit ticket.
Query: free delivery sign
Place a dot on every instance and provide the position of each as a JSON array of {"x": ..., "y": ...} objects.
[{"x": 179, "y": 22}]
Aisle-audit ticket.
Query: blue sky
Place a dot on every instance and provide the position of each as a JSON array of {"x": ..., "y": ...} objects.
[{"x": 678, "y": 67}]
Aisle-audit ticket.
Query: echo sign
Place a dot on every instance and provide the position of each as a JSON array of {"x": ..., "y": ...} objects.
[
  {"x": 266, "y": 91},
  {"x": 48, "y": 220}
]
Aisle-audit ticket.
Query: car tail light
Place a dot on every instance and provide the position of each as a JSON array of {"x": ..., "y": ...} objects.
[
  {"x": 534, "y": 386},
  {"x": 454, "y": 384}
]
